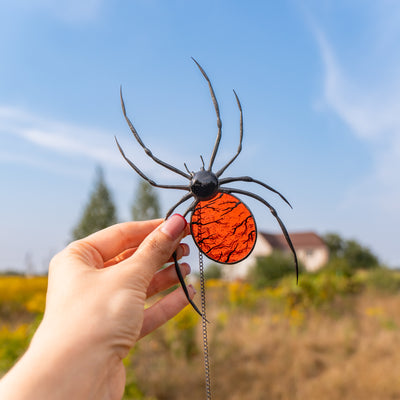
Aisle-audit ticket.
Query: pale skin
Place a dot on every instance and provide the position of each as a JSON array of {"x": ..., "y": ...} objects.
[{"x": 95, "y": 311}]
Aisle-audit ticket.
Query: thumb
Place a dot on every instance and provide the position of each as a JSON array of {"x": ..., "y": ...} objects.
[{"x": 157, "y": 248}]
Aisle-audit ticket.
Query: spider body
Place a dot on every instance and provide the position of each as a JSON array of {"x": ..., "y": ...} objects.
[{"x": 222, "y": 226}]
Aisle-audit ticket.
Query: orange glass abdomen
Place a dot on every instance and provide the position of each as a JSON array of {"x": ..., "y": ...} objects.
[{"x": 223, "y": 228}]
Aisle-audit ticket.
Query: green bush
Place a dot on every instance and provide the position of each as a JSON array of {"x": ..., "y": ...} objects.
[
  {"x": 338, "y": 267},
  {"x": 384, "y": 279},
  {"x": 13, "y": 343},
  {"x": 314, "y": 290},
  {"x": 213, "y": 271},
  {"x": 269, "y": 270}
]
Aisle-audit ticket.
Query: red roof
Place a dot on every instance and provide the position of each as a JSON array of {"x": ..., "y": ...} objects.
[{"x": 299, "y": 240}]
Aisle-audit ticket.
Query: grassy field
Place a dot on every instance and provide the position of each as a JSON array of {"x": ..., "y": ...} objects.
[{"x": 330, "y": 337}]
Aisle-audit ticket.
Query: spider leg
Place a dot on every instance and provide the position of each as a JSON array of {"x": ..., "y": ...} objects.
[
  {"x": 180, "y": 187},
  {"x": 275, "y": 214},
  {"x": 220, "y": 172},
  {"x": 182, "y": 200},
  {"x": 191, "y": 208},
  {"x": 219, "y": 123},
  {"x": 147, "y": 151},
  {"x": 250, "y": 179},
  {"x": 183, "y": 284}
]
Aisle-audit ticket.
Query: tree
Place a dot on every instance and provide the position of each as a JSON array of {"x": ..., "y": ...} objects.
[
  {"x": 213, "y": 271},
  {"x": 269, "y": 270},
  {"x": 359, "y": 256},
  {"x": 146, "y": 204},
  {"x": 335, "y": 244},
  {"x": 99, "y": 212},
  {"x": 355, "y": 255}
]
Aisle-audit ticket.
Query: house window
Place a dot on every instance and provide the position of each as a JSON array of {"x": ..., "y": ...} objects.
[{"x": 309, "y": 252}]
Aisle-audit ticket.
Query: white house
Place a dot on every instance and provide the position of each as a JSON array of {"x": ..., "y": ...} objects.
[{"x": 310, "y": 249}]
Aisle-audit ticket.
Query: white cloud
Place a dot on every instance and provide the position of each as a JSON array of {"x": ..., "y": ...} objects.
[
  {"x": 62, "y": 138},
  {"x": 74, "y": 145},
  {"x": 371, "y": 113},
  {"x": 371, "y": 109}
]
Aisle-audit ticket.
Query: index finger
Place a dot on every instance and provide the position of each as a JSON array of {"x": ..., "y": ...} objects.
[{"x": 112, "y": 241}]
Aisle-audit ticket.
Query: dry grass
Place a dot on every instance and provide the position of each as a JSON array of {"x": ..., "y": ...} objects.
[
  {"x": 346, "y": 350},
  {"x": 327, "y": 338}
]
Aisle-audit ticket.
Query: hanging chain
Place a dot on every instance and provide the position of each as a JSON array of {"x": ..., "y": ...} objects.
[{"x": 204, "y": 327}]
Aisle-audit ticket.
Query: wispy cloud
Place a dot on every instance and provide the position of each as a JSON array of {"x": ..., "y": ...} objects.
[
  {"x": 366, "y": 98},
  {"x": 369, "y": 112},
  {"x": 62, "y": 138},
  {"x": 372, "y": 113},
  {"x": 73, "y": 145}
]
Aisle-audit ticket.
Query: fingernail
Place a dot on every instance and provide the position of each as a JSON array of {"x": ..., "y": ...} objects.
[
  {"x": 192, "y": 287},
  {"x": 186, "y": 250},
  {"x": 188, "y": 270},
  {"x": 174, "y": 226}
]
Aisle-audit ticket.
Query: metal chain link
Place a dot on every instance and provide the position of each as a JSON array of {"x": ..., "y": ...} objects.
[{"x": 204, "y": 327}]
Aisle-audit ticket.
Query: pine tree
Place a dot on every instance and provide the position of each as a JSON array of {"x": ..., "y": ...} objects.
[
  {"x": 146, "y": 204},
  {"x": 99, "y": 212}
]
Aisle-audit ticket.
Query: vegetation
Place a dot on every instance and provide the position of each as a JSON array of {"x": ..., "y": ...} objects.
[
  {"x": 99, "y": 212},
  {"x": 331, "y": 336},
  {"x": 270, "y": 269},
  {"x": 356, "y": 255},
  {"x": 146, "y": 204},
  {"x": 213, "y": 271},
  {"x": 346, "y": 257},
  {"x": 22, "y": 303}
]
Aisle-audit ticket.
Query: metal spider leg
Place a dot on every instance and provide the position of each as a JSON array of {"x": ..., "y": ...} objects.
[
  {"x": 275, "y": 214},
  {"x": 221, "y": 171},
  {"x": 183, "y": 284},
  {"x": 250, "y": 179},
  {"x": 138, "y": 171},
  {"x": 147, "y": 151},
  {"x": 190, "y": 208},
  {"x": 219, "y": 123},
  {"x": 182, "y": 200}
]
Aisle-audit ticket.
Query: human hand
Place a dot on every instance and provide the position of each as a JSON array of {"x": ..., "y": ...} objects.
[{"x": 95, "y": 308}]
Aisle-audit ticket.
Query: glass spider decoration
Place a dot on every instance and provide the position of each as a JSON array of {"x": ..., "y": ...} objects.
[{"x": 222, "y": 226}]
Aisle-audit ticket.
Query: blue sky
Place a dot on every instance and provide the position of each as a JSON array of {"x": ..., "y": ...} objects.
[{"x": 319, "y": 83}]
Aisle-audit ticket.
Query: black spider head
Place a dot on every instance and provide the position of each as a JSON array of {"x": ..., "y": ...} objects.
[{"x": 204, "y": 185}]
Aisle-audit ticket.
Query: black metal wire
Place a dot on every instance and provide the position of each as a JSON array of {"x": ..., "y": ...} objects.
[
  {"x": 204, "y": 327},
  {"x": 183, "y": 284}
]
